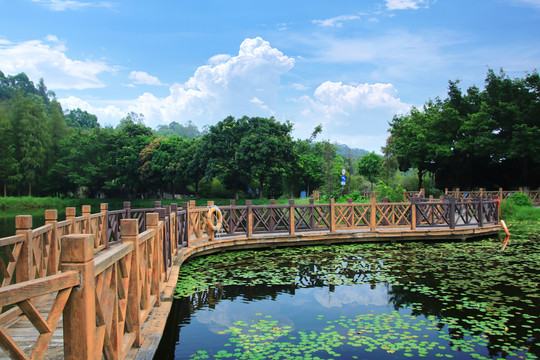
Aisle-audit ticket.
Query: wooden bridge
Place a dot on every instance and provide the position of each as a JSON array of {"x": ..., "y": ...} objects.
[{"x": 110, "y": 275}]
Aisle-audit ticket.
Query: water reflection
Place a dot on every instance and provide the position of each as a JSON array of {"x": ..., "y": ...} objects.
[{"x": 470, "y": 298}]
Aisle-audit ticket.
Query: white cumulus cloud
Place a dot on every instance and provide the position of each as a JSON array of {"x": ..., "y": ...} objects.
[
  {"x": 47, "y": 59},
  {"x": 405, "y": 4},
  {"x": 245, "y": 84},
  {"x": 141, "y": 77},
  {"x": 355, "y": 114}
]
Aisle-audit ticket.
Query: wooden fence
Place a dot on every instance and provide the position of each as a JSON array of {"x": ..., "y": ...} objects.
[
  {"x": 106, "y": 270},
  {"x": 500, "y": 194}
]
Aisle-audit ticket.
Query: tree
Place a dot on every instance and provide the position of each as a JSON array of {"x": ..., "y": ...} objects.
[
  {"x": 370, "y": 166},
  {"x": 265, "y": 152},
  {"x": 29, "y": 123},
  {"x": 81, "y": 119},
  {"x": 131, "y": 139},
  {"x": 8, "y": 164},
  {"x": 220, "y": 147}
]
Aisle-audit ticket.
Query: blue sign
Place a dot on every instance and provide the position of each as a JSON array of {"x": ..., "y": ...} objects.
[{"x": 343, "y": 178}]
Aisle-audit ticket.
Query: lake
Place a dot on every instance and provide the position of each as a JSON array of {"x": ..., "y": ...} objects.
[{"x": 459, "y": 300}]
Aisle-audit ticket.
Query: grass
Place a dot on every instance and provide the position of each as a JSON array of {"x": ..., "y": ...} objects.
[
  {"x": 510, "y": 211},
  {"x": 14, "y": 204}
]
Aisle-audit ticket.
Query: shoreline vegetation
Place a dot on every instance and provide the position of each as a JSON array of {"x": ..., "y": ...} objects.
[{"x": 11, "y": 204}]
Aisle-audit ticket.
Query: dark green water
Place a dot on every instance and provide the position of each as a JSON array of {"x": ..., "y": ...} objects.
[
  {"x": 459, "y": 300},
  {"x": 7, "y": 220}
]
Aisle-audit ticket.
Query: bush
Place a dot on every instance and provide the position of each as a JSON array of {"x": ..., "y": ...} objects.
[
  {"x": 392, "y": 194},
  {"x": 520, "y": 199}
]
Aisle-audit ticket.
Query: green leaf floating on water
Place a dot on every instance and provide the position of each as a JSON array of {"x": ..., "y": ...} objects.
[{"x": 463, "y": 297}]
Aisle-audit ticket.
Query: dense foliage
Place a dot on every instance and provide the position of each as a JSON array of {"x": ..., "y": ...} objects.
[
  {"x": 484, "y": 138},
  {"x": 47, "y": 151}
]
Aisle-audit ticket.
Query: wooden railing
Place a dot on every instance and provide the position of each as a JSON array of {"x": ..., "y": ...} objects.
[
  {"x": 500, "y": 194},
  {"x": 249, "y": 220},
  {"x": 105, "y": 294},
  {"x": 106, "y": 270}
]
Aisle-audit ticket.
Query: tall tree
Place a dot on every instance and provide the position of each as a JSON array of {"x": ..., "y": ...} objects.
[
  {"x": 29, "y": 121},
  {"x": 370, "y": 166},
  {"x": 8, "y": 163},
  {"x": 220, "y": 147},
  {"x": 265, "y": 152},
  {"x": 78, "y": 118}
]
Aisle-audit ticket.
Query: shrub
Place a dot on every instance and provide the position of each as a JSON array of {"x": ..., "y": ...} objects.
[
  {"x": 520, "y": 199},
  {"x": 393, "y": 194}
]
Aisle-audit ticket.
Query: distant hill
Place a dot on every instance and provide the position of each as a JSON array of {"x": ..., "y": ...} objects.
[{"x": 355, "y": 153}]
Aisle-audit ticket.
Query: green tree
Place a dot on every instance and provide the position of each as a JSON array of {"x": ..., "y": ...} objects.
[
  {"x": 370, "y": 166},
  {"x": 131, "y": 138},
  {"x": 81, "y": 119},
  {"x": 29, "y": 121},
  {"x": 265, "y": 152},
  {"x": 8, "y": 164},
  {"x": 220, "y": 148}
]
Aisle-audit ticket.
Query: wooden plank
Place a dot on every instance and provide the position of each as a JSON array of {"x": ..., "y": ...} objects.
[
  {"x": 11, "y": 240},
  {"x": 10, "y": 346},
  {"x": 111, "y": 256},
  {"x": 15, "y": 293},
  {"x": 34, "y": 316}
]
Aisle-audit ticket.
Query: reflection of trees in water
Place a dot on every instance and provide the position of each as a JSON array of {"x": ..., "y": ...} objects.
[
  {"x": 515, "y": 325},
  {"x": 413, "y": 269}
]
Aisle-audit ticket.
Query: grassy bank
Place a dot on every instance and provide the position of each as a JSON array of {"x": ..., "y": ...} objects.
[{"x": 13, "y": 204}]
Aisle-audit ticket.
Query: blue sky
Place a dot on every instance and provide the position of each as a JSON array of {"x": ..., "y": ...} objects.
[{"x": 348, "y": 65}]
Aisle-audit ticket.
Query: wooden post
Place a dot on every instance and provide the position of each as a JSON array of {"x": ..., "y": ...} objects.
[
  {"x": 192, "y": 203},
  {"x": 185, "y": 206},
  {"x": 86, "y": 211},
  {"x": 104, "y": 209},
  {"x": 249, "y": 225},
  {"x": 445, "y": 191},
  {"x": 174, "y": 227},
  {"x": 292, "y": 227},
  {"x": 332, "y": 215},
  {"x": 23, "y": 226},
  {"x": 130, "y": 234},
  {"x": 501, "y": 194},
  {"x": 373, "y": 215},
  {"x": 157, "y": 204},
  {"x": 70, "y": 215},
  {"x": 272, "y": 219},
  {"x": 51, "y": 218},
  {"x": 80, "y": 311},
  {"x": 311, "y": 214},
  {"x": 481, "y": 192},
  {"x": 127, "y": 208},
  {"x": 152, "y": 223},
  {"x": 430, "y": 198},
  {"x": 457, "y": 194},
  {"x": 452, "y": 213},
  {"x": 413, "y": 215},
  {"x": 232, "y": 216},
  {"x": 480, "y": 213}
]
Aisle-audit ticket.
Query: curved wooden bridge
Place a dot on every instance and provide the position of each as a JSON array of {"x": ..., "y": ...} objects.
[{"x": 110, "y": 276}]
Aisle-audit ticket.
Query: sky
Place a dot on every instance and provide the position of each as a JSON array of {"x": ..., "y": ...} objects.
[{"x": 349, "y": 65}]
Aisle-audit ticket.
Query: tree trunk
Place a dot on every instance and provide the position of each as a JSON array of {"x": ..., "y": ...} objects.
[
  {"x": 5, "y": 190},
  {"x": 420, "y": 176},
  {"x": 197, "y": 188}
]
